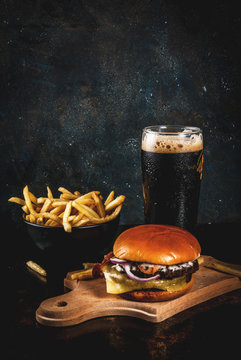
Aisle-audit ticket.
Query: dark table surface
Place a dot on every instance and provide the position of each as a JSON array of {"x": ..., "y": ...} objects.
[{"x": 208, "y": 330}]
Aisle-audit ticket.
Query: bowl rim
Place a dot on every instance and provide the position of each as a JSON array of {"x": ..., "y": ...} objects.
[{"x": 74, "y": 227}]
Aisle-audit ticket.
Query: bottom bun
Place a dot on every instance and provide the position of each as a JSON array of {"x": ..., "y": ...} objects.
[{"x": 156, "y": 295}]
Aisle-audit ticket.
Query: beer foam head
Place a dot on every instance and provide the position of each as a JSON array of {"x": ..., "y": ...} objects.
[{"x": 172, "y": 143}]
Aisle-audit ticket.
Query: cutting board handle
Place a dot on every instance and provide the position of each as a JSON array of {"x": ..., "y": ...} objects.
[
  {"x": 70, "y": 309},
  {"x": 58, "y": 309}
]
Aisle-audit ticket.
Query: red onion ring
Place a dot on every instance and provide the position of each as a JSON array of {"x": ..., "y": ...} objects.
[
  {"x": 137, "y": 278},
  {"x": 117, "y": 261}
]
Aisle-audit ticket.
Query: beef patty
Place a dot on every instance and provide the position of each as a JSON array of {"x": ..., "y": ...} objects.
[{"x": 145, "y": 270}]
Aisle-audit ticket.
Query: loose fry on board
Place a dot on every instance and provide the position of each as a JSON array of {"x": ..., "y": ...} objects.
[
  {"x": 86, "y": 274},
  {"x": 71, "y": 209},
  {"x": 224, "y": 268}
]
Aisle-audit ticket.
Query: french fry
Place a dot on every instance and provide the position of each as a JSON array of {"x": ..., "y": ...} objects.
[
  {"x": 39, "y": 221},
  {"x": 99, "y": 205},
  {"x": 17, "y": 200},
  {"x": 107, "y": 218},
  {"x": 61, "y": 215},
  {"x": 90, "y": 213},
  {"x": 68, "y": 196},
  {"x": 89, "y": 195},
  {"x": 32, "y": 218},
  {"x": 90, "y": 271},
  {"x": 66, "y": 224},
  {"x": 53, "y": 217},
  {"x": 65, "y": 191},
  {"x": 48, "y": 222},
  {"x": 115, "y": 213},
  {"x": 77, "y": 218},
  {"x": 41, "y": 200},
  {"x": 57, "y": 210},
  {"x": 25, "y": 209},
  {"x": 86, "y": 274},
  {"x": 36, "y": 267},
  {"x": 224, "y": 268},
  {"x": 109, "y": 198},
  {"x": 46, "y": 205},
  {"x": 85, "y": 201},
  {"x": 49, "y": 193},
  {"x": 81, "y": 222},
  {"x": 59, "y": 202},
  {"x": 119, "y": 200},
  {"x": 77, "y": 193},
  {"x": 28, "y": 201},
  {"x": 51, "y": 222},
  {"x": 71, "y": 218},
  {"x": 32, "y": 197}
]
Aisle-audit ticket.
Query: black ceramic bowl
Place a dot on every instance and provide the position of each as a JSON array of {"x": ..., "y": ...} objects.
[{"x": 87, "y": 242}]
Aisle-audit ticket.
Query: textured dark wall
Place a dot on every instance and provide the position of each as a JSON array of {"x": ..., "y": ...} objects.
[{"x": 80, "y": 79}]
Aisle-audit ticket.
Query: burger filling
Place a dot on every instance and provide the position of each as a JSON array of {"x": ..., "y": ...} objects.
[{"x": 123, "y": 276}]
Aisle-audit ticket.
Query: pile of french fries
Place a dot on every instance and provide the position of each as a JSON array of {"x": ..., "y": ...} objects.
[{"x": 70, "y": 209}]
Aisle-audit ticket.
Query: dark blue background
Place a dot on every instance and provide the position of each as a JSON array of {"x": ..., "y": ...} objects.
[{"x": 80, "y": 79}]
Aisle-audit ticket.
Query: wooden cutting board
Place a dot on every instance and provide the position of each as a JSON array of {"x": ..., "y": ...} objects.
[{"x": 88, "y": 300}]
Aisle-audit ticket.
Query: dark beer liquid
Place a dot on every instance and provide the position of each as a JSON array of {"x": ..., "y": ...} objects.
[{"x": 171, "y": 186}]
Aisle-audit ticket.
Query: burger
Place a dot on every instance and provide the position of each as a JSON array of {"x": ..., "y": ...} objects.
[{"x": 151, "y": 263}]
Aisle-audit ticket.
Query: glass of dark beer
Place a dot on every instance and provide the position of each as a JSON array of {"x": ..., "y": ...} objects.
[{"x": 172, "y": 160}]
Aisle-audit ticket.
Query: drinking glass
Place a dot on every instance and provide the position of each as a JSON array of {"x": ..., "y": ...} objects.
[{"x": 172, "y": 161}]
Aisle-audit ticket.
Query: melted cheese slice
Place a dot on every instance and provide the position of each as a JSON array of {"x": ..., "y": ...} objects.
[{"x": 118, "y": 282}]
